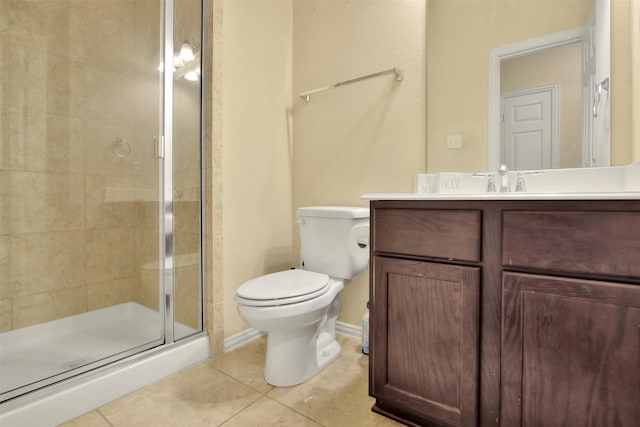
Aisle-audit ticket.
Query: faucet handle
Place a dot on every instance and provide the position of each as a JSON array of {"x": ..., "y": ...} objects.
[
  {"x": 520, "y": 185},
  {"x": 491, "y": 185}
]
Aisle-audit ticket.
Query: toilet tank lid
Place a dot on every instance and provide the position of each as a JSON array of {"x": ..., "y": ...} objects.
[{"x": 334, "y": 212}]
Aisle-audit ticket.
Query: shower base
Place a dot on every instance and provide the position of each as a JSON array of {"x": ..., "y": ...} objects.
[
  {"x": 41, "y": 351},
  {"x": 34, "y": 353}
]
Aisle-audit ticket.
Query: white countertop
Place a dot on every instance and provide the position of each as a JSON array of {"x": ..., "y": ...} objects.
[{"x": 627, "y": 195}]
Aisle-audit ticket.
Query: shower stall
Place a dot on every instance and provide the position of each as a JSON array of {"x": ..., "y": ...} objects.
[{"x": 101, "y": 141}]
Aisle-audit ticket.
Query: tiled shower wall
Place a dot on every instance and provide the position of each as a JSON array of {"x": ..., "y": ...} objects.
[{"x": 75, "y": 76}]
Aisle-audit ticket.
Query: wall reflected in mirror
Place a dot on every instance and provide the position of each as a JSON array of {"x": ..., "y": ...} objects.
[{"x": 460, "y": 36}]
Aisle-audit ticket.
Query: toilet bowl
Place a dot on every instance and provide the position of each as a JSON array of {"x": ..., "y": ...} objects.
[{"x": 298, "y": 308}]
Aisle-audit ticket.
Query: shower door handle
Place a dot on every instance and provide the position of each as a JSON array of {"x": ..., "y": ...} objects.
[{"x": 158, "y": 147}]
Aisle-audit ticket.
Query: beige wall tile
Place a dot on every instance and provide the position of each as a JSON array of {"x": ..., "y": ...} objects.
[
  {"x": 147, "y": 292},
  {"x": 5, "y": 267},
  {"x": 42, "y": 262},
  {"x": 187, "y": 294},
  {"x": 5, "y": 225},
  {"x": 34, "y": 309},
  {"x": 46, "y": 202},
  {"x": 4, "y": 64},
  {"x": 5, "y": 315},
  {"x": 99, "y": 136},
  {"x": 110, "y": 254},
  {"x": 44, "y": 142},
  {"x": 147, "y": 241},
  {"x": 109, "y": 96},
  {"x": 102, "y": 32},
  {"x": 186, "y": 243},
  {"x": 5, "y": 124},
  {"x": 102, "y": 214},
  {"x": 27, "y": 69},
  {"x": 39, "y": 22},
  {"x": 113, "y": 292}
]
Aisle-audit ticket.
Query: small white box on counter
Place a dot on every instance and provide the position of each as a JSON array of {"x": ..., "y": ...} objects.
[
  {"x": 450, "y": 182},
  {"x": 426, "y": 183}
]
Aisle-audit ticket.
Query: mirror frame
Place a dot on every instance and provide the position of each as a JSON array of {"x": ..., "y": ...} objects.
[{"x": 496, "y": 55}]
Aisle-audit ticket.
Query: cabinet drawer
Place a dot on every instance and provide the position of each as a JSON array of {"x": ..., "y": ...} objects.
[
  {"x": 445, "y": 234},
  {"x": 580, "y": 242}
]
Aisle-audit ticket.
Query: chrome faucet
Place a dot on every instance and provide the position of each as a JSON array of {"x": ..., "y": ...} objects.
[
  {"x": 520, "y": 185},
  {"x": 491, "y": 185},
  {"x": 504, "y": 179}
]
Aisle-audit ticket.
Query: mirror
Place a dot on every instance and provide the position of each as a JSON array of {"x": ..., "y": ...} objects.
[{"x": 473, "y": 48}]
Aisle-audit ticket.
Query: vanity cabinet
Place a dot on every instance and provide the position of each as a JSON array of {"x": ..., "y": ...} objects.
[
  {"x": 570, "y": 352},
  {"x": 512, "y": 312},
  {"x": 426, "y": 294}
]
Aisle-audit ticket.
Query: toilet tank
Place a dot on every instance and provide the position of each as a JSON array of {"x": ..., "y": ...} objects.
[{"x": 334, "y": 240}]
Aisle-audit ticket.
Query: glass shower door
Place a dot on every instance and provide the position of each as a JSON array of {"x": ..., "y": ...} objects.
[{"x": 80, "y": 201}]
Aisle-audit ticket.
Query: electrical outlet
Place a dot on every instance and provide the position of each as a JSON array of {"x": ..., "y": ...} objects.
[
  {"x": 136, "y": 168},
  {"x": 454, "y": 142}
]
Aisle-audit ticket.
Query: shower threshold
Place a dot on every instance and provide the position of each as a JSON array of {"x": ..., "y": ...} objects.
[{"x": 32, "y": 355}]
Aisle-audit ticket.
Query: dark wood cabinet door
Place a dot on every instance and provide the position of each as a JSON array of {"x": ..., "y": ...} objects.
[
  {"x": 570, "y": 352},
  {"x": 424, "y": 341}
]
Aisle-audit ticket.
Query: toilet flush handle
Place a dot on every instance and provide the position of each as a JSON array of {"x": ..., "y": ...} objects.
[
  {"x": 359, "y": 240},
  {"x": 362, "y": 241}
]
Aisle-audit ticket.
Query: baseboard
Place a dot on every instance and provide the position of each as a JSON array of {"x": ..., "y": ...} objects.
[
  {"x": 348, "y": 330},
  {"x": 250, "y": 334},
  {"x": 241, "y": 338}
]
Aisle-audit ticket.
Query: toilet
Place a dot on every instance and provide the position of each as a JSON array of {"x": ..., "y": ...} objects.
[{"x": 298, "y": 308}]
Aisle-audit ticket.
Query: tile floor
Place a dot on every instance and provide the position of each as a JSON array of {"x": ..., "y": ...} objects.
[{"x": 230, "y": 391}]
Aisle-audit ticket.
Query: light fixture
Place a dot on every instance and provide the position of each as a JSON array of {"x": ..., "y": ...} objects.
[
  {"x": 192, "y": 76},
  {"x": 186, "y": 53},
  {"x": 186, "y": 63}
]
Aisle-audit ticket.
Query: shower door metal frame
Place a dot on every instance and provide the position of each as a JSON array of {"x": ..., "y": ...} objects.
[
  {"x": 167, "y": 202},
  {"x": 166, "y": 205}
]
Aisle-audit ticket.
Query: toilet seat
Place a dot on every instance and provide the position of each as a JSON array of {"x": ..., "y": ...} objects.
[{"x": 284, "y": 287}]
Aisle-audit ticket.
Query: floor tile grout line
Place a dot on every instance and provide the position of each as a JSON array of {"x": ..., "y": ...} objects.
[
  {"x": 294, "y": 410},
  {"x": 104, "y": 417},
  {"x": 242, "y": 382},
  {"x": 241, "y": 411},
  {"x": 262, "y": 394}
]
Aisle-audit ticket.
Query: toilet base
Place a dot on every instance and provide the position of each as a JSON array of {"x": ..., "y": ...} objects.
[
  {"x": 296, "y": 354},
  {"x": 292, "y": 360}
]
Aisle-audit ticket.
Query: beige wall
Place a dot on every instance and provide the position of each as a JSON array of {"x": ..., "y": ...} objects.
[
  {"x": 368, "y": 137},
  {"x": 635, "y": 76},
  {"x": 621, "y": 80},
  {"x": 280, "y": 153},
  {"x": 460, "y": 35},
  {"x": 256, "y": 90},
  {"x": 562, "y": 66}
]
